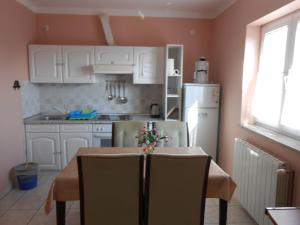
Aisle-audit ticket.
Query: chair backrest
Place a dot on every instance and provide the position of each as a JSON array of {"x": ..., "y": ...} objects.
[
  {"x": 111, "y": 188},
  {"x": 177, "y": 132},
  {"x": 125, "y": 133},
  {"x": 175, "y": 189}
]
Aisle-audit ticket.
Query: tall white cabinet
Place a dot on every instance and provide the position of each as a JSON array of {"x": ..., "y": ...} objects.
[
  {"x": 148, "y": 65},
  {"x": 173, "y": 83}
]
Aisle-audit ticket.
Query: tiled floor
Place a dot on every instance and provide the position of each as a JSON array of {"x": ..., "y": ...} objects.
[{"x": 26, "y": 208}]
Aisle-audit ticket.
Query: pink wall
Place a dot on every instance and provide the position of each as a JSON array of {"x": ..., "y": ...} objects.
[
  {"x": 18, "y": 27},
  {"x": 229, "y": 32},
  {"x": 74, "y": 29}
]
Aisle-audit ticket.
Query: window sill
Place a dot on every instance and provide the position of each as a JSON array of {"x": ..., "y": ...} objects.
[{"x": 289, "y": 142}]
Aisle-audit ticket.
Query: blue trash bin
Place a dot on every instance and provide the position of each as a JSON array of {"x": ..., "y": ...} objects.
[{"x": 27, "y": 175}]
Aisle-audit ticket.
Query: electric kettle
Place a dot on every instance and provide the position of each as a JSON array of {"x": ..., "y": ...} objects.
[{"x": 154, "y": 110}]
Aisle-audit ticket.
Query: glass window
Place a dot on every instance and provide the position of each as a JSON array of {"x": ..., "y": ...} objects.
[
  {"x": 277, "y": 91},
  {"x": 291, "y": 108},
  {"x": 269, "y": 89}
]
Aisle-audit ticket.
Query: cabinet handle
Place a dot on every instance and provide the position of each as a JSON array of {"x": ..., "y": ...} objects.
[
  {"x": 204, "y": 114},
  {"x": 55, "y": 153}
]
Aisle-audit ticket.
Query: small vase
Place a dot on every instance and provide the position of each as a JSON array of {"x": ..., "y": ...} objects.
[{"x": 148, "y": 149}]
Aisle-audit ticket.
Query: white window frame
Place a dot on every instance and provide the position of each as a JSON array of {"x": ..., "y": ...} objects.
[{"x": 291, "y": 21}]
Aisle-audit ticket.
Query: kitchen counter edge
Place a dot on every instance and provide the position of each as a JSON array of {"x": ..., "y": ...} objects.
[{"x": 34, "y": 120}]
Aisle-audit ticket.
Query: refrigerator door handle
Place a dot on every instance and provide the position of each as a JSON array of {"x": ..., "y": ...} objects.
[{"x": 203, "y": 114}]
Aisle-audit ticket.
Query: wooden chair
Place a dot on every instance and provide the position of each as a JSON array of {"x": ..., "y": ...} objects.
[
  {"x": 111, "y": 189},
  {"x": 175, "y": 189},
  {"x": 125, "y": 133}
]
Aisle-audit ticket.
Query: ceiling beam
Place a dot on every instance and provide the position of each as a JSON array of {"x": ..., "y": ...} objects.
[{"x": 107, "y": 29}]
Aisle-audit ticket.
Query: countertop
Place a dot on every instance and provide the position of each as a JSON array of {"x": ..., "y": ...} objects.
[{"x": 36, "y": 120}]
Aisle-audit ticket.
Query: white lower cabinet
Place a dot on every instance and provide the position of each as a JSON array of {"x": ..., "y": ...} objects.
[
  {"x": 53, "y": 146},
  {"x": 44, "y": 148},
  {"x": 71, "y": 142}
]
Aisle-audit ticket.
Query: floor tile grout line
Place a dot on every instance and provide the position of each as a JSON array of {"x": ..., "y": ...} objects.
[
  {"x": 36, "y": 212},
  {"x": 4, "y": 196},
  {"x": 23, "y": 194},
  {"x": 5, "y": 211},
  {"x": 12, "y": 190}
]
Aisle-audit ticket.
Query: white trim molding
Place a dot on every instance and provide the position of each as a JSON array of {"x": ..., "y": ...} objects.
[
  {"x": 28, "y": 5},
  {"x": 124, "y": 12},
  {"x": 223, "y": 9}
]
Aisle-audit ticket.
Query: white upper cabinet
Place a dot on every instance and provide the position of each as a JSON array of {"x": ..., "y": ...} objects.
[
  {"x": 45, "y": 63},
  {"x": 148, "y": 65},
  {"x": 106, "y": 55},
  {"x": 77, "y": 64},
  {"x": 61, "y": 64}
]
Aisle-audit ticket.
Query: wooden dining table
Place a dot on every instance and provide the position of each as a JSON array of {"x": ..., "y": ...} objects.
[
  {"x": 284, "y": 215},
  {"x": 65, "y": 186}
]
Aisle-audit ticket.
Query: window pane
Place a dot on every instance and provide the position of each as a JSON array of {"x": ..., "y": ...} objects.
[
  {"x": 269, "y": 88},
  {"x": 291, "y": 108}
]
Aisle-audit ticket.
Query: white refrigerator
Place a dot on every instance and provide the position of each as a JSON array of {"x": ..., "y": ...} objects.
[{"x": 201, "y": 112}]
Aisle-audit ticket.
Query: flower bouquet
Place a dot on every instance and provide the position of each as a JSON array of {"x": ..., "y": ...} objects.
[{"x": 149, "y": 137}]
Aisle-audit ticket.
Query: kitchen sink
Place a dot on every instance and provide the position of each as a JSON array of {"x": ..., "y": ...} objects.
[
  {"x": 53, "y": 117},
  {"x": 113, "y": 117}
]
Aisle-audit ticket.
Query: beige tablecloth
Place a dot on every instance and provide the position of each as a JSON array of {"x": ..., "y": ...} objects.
[{"x": 65, "y": 186}]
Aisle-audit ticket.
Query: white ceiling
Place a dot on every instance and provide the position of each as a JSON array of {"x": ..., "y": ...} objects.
[{"x": 154, "y": 8}]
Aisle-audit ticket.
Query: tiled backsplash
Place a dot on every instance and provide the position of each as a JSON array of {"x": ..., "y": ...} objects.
[
  {"x": 76, "y": 96},
  {"x": 30, "y": 94}
]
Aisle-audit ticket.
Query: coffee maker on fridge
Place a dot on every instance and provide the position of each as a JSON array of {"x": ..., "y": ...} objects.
[{"x": 201, "y": 71}]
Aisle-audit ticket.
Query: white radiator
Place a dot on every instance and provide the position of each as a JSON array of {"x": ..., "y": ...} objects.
[{"x": 262, "y": 180}]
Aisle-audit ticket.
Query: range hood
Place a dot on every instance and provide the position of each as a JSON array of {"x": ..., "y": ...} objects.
[{"x": 113, "y": 69}]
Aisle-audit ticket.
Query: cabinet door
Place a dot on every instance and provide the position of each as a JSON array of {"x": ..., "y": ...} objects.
[
  {"x": 149, "y": 65},
  {"x": 44, "y": 149},
  {"x": 114, "y": 55},
  {"x": 45, "y": 64},
  {"x": 71, "y": 142},
  {"x": 78, "y": 62}
]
